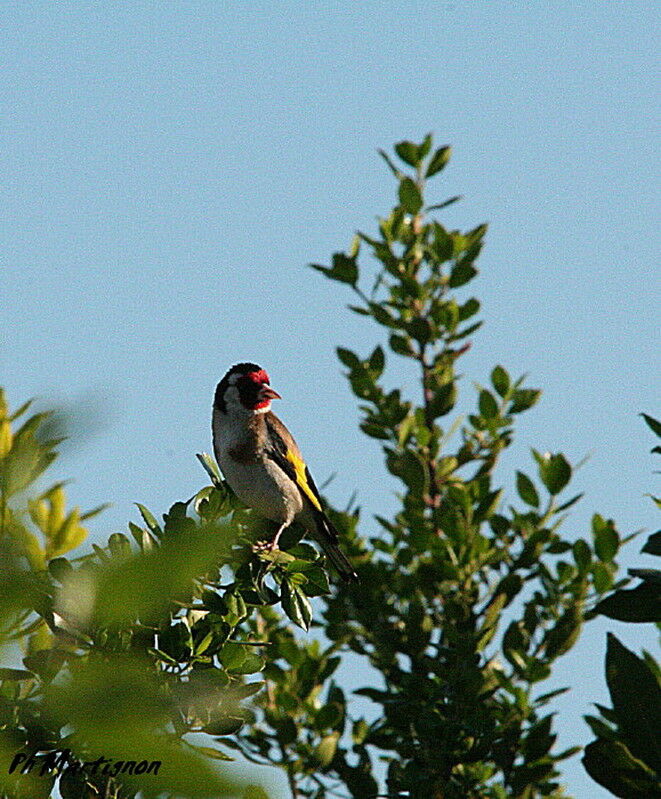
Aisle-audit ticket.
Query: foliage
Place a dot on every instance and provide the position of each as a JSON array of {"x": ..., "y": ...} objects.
[
  {"x": 130, "y": 649},
  {"x": 626, "y": 755},
  {"x": 464, "y": 602}
]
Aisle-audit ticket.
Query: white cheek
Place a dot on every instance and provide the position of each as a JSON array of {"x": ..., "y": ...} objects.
[{"x": 265, "y": 409}]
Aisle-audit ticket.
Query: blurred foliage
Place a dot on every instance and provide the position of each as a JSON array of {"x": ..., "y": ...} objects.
[
  {"x": 626, "y": 756},
  {"x": 125, "y": 650}
]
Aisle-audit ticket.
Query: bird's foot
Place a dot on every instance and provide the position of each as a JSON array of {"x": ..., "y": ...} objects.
[{"x": 265, "y": 546}]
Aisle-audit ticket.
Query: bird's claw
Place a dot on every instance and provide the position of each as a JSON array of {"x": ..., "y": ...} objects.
[{"x": 265, "y": 546}]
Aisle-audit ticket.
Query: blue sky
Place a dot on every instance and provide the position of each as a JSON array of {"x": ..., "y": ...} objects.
[{"x": 169, "y": 169}]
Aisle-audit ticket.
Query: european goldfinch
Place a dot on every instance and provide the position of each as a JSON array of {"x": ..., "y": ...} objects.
[{"x": 262, "y": 463}]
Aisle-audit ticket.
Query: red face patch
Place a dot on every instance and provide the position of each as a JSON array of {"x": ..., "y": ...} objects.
[
  {"x": 258, "y": 377},
  {"x": 250, "y": 387}
]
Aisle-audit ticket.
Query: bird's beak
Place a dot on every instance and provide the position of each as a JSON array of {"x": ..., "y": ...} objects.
[{"x": 267, "y": 393}]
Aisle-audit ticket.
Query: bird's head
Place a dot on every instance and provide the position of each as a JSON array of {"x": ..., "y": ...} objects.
[{"x": 245, "y": 389}]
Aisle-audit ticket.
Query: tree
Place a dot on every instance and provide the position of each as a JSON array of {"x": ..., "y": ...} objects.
[
  {"x": 463, "y": 605},
  {"x": 626, "y": 755}
]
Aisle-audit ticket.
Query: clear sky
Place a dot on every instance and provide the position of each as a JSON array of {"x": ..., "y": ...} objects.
[{"x": 167, "y": 170}]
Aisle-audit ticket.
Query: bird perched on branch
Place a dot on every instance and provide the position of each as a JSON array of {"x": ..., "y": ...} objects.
[{"x": 262, "y": 463}]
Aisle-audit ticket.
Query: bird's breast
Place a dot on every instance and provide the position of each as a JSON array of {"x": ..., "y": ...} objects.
[{"x": 256, "y": 479}]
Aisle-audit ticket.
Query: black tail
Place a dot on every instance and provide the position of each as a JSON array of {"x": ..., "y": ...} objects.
[{"x": 329, "y": 540}]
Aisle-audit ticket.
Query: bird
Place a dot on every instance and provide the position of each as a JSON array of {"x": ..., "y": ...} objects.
[{"x": 262, "y": 463}]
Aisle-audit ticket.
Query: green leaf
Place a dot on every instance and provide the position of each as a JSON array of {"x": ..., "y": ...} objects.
[
  {"x": 425, "y": 146},
  {"x": 211, "y": 468},
  {"x": 317, "y": 583},
  {"x": 296, "y": 605},
  {"x": 524, "y": 398},
  {"x": 249, "y": 689},
  {"x": 235, "y": 603},
  {"x": 582, "y": 555},
  {"x": 359, "y": 731},
  {"x": 119, "y": 545},
  {"x": 461, "y": 274},
  {"x": 410, "y": 196},
  {"x": 326, "y": 749},
  {"x": 176, "y": 641},
  {"x": 636, "y": 696},
  {"x": 377, "y": 362},
  {"x": 149, "y": 519},
  {"x": 421, "y": 329},
  {"x": 396, "y": 172},
  {"x": 600, "y": 728},
  {"x": 232, "y": 656},
  {"x": 374, "y": 431},
  {"x": 510, "y": 586},
  {"x": 409, "y": 467},
  {"x": 640, "y": 604},
  {"x": 408, "y": 152},
  {"x": 612, "y": 765},
  {"x": 348, "y": 358},
  {"x": 19, "y": 412},
  {"x": 648, "y": 575},
  {"x": 251, "y": 664},
  {"x": 442, "y": 244},
  {"x": 606, "y": 538},
  {"x": 500, "y": 380},
  {"x": 488, "y": 504},
  {"x": 60, "y": 568},
  {"x": 447, "y": 315},
  {"x": 329, "y": 715},
  {"x": 467, "y": 331},
  {"x": 568, "y": 503},
  {"x": 276, "y": 556},
  {"x": 562, "y": 637},
  {"x": 601, "y": 577},
  {"x": 382, "y": 315},
  {"x": 539, "y": 739},
  {"x": 443, "y": 400},
  {"x": 144, "y": 584},
  {"x": 526, "y": 489},
  {"x": 94, "y": 511},
  {"x": 544, "y": 699},
  {"x": 487, "y": 404},
  {"x": 344, "y": 269},
  {"x": 438, "y": 162},
  {"x": 468, "y": 309},
  {"x": 653, "y": 544},
  {"x": 401, "y": 345},
  {"x": 304, "y": 551},
  {"x": 554, "y": 472},
  {"x": 654, "y": 424},
  {"x": 445, "y": 203}
]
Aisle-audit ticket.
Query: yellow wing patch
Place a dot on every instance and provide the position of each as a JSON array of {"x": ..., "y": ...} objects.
[{"x": 301, "y": 479}]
